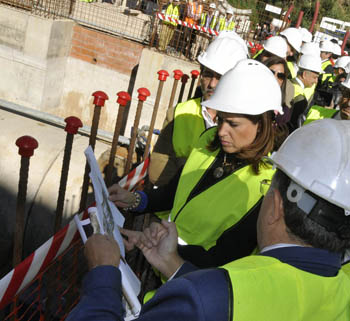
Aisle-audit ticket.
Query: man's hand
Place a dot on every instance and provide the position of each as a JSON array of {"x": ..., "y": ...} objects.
[
  {"x": 101, "y": 250},
  {"x": 134, "y": 238},
  {"x": 163, "y": 253},
  {"x": 121, "y": 197}
]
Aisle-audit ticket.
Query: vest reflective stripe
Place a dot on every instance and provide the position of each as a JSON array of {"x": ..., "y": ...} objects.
[
  {"x": 292, "y": 70},
  {"x": 204, "y": 18},
  {"x": 206, "y": 216},
  {"x": 173, "y": 12},
  {"x": 222, "y": 22},
  {"x": 266, "y": 289},
  {"x": 188, "y": 126},
  {"x": 318, "y": 112}
]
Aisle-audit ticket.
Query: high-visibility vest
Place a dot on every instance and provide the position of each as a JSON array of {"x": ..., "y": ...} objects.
[
  {"x": 324, "y": 65},
  {"x": 202, "y": 219},
  {"x": 300, "y": 91},
  {"x": 258, "y": 53},
  {"x": 309, "y": 92},
  {"x": 292, "y": 70},
  {"x": 222, "y": 22},
  {"x": 318, "y": 112},
  {"x": 204, "y": 18},
  {"x": 188, "y": 126},
  {"x": 173, "y": 12},
  {"x": 346, "y": 269},
  {"x": 230, "y": 26},
  {"x": 195, "y": 11},
  {"x": 264, "y": 288}
]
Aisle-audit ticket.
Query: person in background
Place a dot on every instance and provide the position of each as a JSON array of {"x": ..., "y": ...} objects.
[
  {"x": 274, "y": 46},
  {"x": 227, "y": 22},
  {"x": 185, "y": 123},
  {"x": 303, "y": 231},
  {"x": 294, "y": 41},
  {"x": 168, "y": 28},
  {"x": 309, "y": 69}
]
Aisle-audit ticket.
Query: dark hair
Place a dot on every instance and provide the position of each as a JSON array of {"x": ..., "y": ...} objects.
[
  {"x": 261, "y": 146},
  {"x": 275, "y": 60},
  {"x": 301, "y": 227}
]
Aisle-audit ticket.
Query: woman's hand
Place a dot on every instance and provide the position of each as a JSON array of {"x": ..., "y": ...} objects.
[{"x": 121, "y": 197}]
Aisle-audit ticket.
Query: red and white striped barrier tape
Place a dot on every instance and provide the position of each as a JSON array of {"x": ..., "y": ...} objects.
[
  {"x": 188, "y": 25},
  {"x": 24, "y": 273},
  {"x": 135, "y": 176}
]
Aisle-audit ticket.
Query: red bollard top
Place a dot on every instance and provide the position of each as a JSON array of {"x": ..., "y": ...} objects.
[
  {"x": 73, "y": 124},
  {"x": 123, "y": 98},
  {"x": 26, "y": 145},
  {"x": 143, "y": 93},
  {"x": 195, "y": 74},
  {"x": 184, "y": 78},
  {"x": 163, "y": 74},
  {"x": 178, "y": 74},
  {"x": 100, "y": 98}
]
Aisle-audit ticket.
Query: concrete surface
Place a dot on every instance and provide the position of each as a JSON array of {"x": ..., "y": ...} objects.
[{"x": 43, "y": 182}]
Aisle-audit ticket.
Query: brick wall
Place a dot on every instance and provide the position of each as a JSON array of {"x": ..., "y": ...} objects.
[{"x": 105, "y": 50}]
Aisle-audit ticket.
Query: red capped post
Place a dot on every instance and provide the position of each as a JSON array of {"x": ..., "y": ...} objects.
[{"x": 195, "y": 75}]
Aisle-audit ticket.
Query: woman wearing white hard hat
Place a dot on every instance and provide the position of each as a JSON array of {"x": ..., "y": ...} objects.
[
  {"x": 220, "y": 189},
  {"x": 294, "y": 40},
  {"x": 273, "y": 47}
]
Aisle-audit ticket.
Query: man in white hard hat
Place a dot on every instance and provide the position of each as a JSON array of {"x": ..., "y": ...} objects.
[
  {"x": 294, "y": 41},
  {"x": 184, "y": 123},
  {"x": 309, "y": 68},
  {"x": 303, "y": 229},
  {"x": 341, "y": 110},
  {"x": 327, "y": 48}
]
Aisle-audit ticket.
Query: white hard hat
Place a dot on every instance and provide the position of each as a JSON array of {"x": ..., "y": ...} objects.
[
  {"x": 294, "y": 38},
  {"x": 306, "y": 35},
  {"x": 222, "y": 54},
  {"x": 310, "y": 48},
  {"x": 346, "y": 82},
  {"x": 212, "y": 5},
  {"x": 343, "y": 62},
  {"x": 312, "y": 63},
  {"x": 336, "y": 49},
  {"x": 230, "y": 11},
  {"x": 249, "y": 88},
  {"x": 234, "y": 35},
  {"x": 327, "y": 46},
  {"x": 317, "y": 157},
  {"x": 277, "y": 46}
]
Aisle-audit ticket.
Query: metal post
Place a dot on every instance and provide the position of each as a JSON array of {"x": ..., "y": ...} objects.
[
  {"x": 72, "y": 126},
  {"x": 184, "y": 80},
  {"x": 163, "y": 74},
  {"x": 285, "y": 20},
  {"x": 345, "y": 40},
  {"x": 99, "y": 101},
  {"x": 143, "y": 94},
  {"x": 123, "y": 99},
  {"x": 177, "y": 76},
  {"x": 300, "y": 19},
  {"x": 195, "y": 74},
  {"x": 26, "y": 145},
  {"x": 314, "y": 20}
]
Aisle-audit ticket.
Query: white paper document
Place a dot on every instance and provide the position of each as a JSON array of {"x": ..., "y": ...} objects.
[{"x": 105, "y": 218}]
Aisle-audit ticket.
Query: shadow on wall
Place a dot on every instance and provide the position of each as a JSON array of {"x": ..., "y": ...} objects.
[{"x": 39, "y": 226}]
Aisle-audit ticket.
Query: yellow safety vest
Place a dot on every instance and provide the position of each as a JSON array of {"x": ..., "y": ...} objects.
[
  {"x": 264, "y": 288},
  {"x": 202, "y": 219},
  {"x": 292, "y": 70},
  {"x": 204, "y": 20},
  {"x": 222, "y": 22},
  {"x": 300, "y": 91},
  {"x": 324, "y": 65},
  {"x": 318, "y": 112},
  {"x": 230, "y": 26},
  {"x": 188, "y": 126},
  {"x": 309, "y": 92},
  {"x": 346, "y": 269},
  {"x": 173, "y": 12}
]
